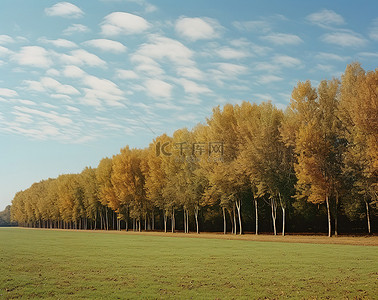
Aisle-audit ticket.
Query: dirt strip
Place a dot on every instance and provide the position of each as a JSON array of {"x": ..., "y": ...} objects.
[{"x": 291, "y": 238}]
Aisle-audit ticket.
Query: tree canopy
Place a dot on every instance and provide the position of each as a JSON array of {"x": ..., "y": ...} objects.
[{"x": 249, "y": 164}]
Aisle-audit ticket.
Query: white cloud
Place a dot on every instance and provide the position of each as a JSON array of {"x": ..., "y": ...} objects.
[
  {"x": 192, "y": 87},
  {"x": 188, "y": 117},
  {"x": 190, "y": 72},
  {"x": 56, "y": 86},
  {"x": 8, "y": 92},
  {"x": 331, "y": 56},
  {"x": 146, "y": 65},
  {"x": 344, "y": 39},
  {"x": 232, "y": 69},
  {"x": 101, "y": 90},
  {"x": 52, "y": 72},
  {"x": 325, "y": 18},
  {"x": 33, "y": 56},
  {"x": 59, "y": 43},
  {"x": 286, "y": 61},
  {"x": 64, "y": 9},
  {"x": 60, "y": 97},
  {"x": 373, "y": 33},
  {"x": 158, "y": 88},
  {"x": 165, "y": 48},
  {"x": 126, "y": 74},
  {"x": 6, "y": 39},
  {"x": 197, "y": 28},
  {"x": 72, "y": 108},
  {"x": 26, "y": 102},
  {"x": 123, "y": 23},
  {"x": 148, "y": 7},
  {"x": 232, "y": 53},
  {"x": 267, "y": 67},
  {"x": 150, "y": 69},
  {"x": 263, "y": 97},
  {"x": 258, "y": 26},
  {"x": 5, "y": 51},
  {"x": 76, "y": 28},
  {"x": 33, "y": 85},
  {"x": 82, "y": 57},
  {"x": 73, "y": 72},
  {"x": 52, "y": 116},
  {"x": 22, "y": 118},
  {"x": 282, "y": 39},
  {"x": 106, "y": 45},
  {"x": 264, "y": 79},
  {"x": 324, "y": 68},
  {"x": 368, "y": 54},
  {"x": 47, "y": 84}
]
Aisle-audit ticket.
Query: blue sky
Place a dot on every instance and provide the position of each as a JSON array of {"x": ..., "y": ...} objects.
[{"x": 81, "y": 79}]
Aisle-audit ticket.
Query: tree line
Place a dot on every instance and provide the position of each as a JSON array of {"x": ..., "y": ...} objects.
[{"x": 249, "y": 162}]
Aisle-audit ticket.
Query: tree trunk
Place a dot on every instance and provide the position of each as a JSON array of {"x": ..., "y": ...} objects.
[
  {"x": 283, "y": 221},
  {"x": 329, "y": 217},
  {"x": 336, "y": 213},
  {"x": 232, "y": 221},
  {"x": 114, "y": 220},
  {"x": 107, "y": 220},
  {"x": 224, "y": 221},
  {"x": 196, "y": 217},
  {"x": 153, "y": 221},
  {"x": 235, "y": 230},
  {"x": 165, "y": 221},
  {"x": 184, "y": 220},
  {"x": 273, "y": 205},
  {"x": 173, "y": 220},
  {"x": 140, "y": 225},
  {"x": 187, "y": 221},
  {"x": 238, "y": 206},
  {"x": 257, "y": 216},
  {"x": 367, "y": 216}
]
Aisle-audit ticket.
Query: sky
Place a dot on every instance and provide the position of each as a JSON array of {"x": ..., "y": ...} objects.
[{"x": 79, "y": 80}]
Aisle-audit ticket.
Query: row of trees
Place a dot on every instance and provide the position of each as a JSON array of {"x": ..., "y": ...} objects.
[{"x": 321, "y": 152}]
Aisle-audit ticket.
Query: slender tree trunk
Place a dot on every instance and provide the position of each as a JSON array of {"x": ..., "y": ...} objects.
[
  {"x": 257, "y": 216},
  {"x": 139, "y": 225},
  {"x": 165, "y": 220},
  {"x": 173, "y": 220},
  {"x": 153, "y": 221},
  {"x": 224, "y": 221},
  {"x": 283, "y": 220},
  {"x": 282, "y": 203},
  {"x": 329, "y": 217},
  {"x": 235, "y": 230},
  {"x": 274, "y": 214},
  {"x": 367, "y": 216},
  {"x": 238, "y": 206},
  {"x": 101, "y": 220},
  {"x": 107, "y": 220},
  {"x": 232, "y": 221},
  {"x": 145, "y": 222},
  {"x": 196, "y": 217},
  {"x": 184, "y": 220},
  {"x": 187, "y": 221}
]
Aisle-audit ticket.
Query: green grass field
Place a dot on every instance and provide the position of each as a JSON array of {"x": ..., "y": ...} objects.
[{"x": 76, "y": 265}]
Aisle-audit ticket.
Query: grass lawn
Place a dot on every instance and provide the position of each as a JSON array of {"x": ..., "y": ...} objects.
[{"x": 76, "y": 265}]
